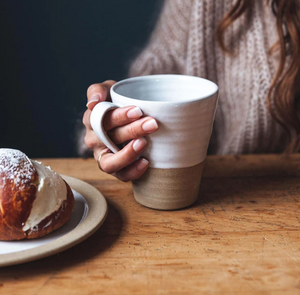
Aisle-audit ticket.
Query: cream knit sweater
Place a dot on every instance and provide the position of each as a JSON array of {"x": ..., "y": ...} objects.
[{"x": 184, "y": 42}]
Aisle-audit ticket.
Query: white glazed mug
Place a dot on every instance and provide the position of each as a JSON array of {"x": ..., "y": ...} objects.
[{"x": 184, "y": 107}]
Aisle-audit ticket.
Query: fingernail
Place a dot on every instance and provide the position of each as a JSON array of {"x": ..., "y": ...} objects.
[
  {"x": 95, "y": 98},
  {"x": 134, "y": 113},
  {"x": 139, "y": 144},
  {"x": 150, "y": 125},
  {"x": 142, "y": 164}
]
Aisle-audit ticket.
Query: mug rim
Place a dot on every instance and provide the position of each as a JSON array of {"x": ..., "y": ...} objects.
[{"x": 165, "y": 76}]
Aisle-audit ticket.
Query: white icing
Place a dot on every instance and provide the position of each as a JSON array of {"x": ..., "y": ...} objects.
[{"x": 51, "y": 193}]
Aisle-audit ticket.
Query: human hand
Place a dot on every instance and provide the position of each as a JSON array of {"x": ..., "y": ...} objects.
[{"x": 124, "y": 124}]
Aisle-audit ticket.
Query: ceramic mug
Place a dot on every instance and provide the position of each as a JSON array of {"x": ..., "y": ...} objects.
[{"x": 184, "y": 107}]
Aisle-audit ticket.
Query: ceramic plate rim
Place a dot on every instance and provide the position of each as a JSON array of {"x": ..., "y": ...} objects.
[{"x": 96, "y": 215}]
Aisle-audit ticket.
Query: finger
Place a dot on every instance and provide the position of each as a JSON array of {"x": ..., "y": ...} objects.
[
  {"x": 86, "y": 119},
  {"x": 98, "y": 92},
  {"x": 92, "y": 141},
  {"x": 133, "y": 171},
  {"x": 115, "y": 118},
  {"x": 133, "y": 130},
  {"x": 111, "y": 163},
  {"x": 121, "y": 116},
  {"x": 98, "y": 151}
]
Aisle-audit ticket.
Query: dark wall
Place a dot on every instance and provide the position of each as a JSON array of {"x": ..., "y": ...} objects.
[{"x": 51, "y": 51}]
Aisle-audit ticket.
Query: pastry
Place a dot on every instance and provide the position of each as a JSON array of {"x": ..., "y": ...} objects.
[{"x": 34, "y": 200}]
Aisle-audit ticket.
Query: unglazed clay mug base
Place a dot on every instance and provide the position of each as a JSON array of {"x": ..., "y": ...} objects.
[
  {"x": 168, "y": 189},
  {"x": 184, "y": 107}
]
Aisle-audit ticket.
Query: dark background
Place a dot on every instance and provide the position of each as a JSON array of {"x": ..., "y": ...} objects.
[{"x": 50, "y": 52}]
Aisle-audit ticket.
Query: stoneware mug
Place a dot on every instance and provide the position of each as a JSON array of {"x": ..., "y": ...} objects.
[{"x": 184, "y": 107}]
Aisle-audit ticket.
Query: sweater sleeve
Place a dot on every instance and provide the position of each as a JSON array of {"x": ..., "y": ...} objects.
[{"x": 165, "y": 52}]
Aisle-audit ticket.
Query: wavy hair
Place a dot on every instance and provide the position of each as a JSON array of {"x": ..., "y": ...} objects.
[{"x": 283, "y": 95}]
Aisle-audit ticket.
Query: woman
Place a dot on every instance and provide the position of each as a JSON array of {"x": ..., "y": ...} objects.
[{"x": 250, "y": 48}]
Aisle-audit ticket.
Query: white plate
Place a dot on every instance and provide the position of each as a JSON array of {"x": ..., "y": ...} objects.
[{"x": 89, "y": 213}]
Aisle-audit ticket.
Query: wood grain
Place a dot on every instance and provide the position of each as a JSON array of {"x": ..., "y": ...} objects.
[{"x": 241, "y": 237}]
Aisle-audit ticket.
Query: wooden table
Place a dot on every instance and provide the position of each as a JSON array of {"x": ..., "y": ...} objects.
[{"x": 241, "y": 237}]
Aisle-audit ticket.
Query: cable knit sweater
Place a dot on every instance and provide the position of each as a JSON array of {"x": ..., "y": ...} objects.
[{"x": 184, "y": 42}]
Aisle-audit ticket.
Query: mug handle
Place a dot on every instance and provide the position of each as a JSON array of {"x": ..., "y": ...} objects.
[{"x": 96, "y": 120}]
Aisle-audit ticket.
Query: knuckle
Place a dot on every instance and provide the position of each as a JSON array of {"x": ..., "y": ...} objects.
[
  {"x": 107, "y": 164},
  {"x": 118, "y": 116},
  {"x": 133, "y": 131},
  {"x": 86, "y": 117},
  {"x": 92, "y": 141},
  {"x": 89, "y": 142},
  {"x": 107, "y": 168}
]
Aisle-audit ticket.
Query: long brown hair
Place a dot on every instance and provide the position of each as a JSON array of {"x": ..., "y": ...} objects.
[{"x": 282, "y": 100}]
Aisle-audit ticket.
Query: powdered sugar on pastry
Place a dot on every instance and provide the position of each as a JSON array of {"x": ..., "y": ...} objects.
[
  {"x": 51, "y": 193},
  {"x": 15, "y": 166}
]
